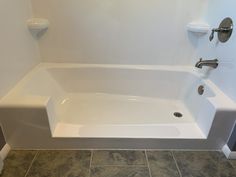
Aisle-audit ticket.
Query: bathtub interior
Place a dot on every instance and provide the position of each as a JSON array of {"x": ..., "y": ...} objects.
[
  {"x": 116, "y": 96},
  {"x": 98, "y": 101}
]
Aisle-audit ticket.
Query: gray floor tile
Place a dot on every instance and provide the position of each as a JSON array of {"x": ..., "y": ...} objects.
[
  {"x": 233, "y": 162},
  {"x": 17, "y": 163},
  {"x": 162, "y": 164},
  {"x": 114, "y": 171},
  {"x": 204, "y": 164},
  {"x": 61, "y": 164},
  {"x": 115, "y": 157}
]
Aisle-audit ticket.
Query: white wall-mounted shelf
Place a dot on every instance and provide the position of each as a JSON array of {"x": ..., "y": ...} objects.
[
  {"x": 200, "y": 28},
  {"x": 37, "y": 25}
]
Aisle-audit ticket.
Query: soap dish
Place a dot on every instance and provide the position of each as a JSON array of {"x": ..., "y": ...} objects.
[{"x": 38, "y": 25}]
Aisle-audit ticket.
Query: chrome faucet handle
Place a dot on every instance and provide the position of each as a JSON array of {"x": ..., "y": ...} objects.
[
  {"x": 220, "y": 30},
  {"x": 224, "y": 30},
  {"x": 212, "y": 35}
]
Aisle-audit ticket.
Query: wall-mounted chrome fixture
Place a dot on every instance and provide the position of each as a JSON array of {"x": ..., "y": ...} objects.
[
  {"x": 210, "y": 63},
  {"x": 224, "y": 31}
]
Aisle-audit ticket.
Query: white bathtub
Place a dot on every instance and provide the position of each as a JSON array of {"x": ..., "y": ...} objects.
[{"x": 113, "y": 101}]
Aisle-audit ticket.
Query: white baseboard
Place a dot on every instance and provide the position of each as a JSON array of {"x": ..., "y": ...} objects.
[{"x": 228, "y": 153}]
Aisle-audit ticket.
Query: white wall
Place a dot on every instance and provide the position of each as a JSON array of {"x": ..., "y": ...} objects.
[
  {"x": 18, "y": 50},
  {"x": 225, "y": 75},
  {"x": 118, "y": 31}
]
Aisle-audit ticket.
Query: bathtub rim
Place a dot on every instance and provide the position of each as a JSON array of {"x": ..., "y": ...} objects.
[{"x": 218, "y": 94}]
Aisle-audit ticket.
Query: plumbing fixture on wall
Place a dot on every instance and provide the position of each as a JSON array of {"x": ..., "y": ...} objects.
[
  {"x": 211, "y": 63},
  {"x": 224, "y": 31}
]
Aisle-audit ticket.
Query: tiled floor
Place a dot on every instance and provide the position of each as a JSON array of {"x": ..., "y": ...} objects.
[{"x": 114, "y": 163}]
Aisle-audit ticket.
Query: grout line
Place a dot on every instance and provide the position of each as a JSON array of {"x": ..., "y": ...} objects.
[
  {"x": 150, "y": 174},
  {"x": 230, "y": 161},
  {"x": 119, "y": 165},
  {"x": 90, "y": 164},
  {"x": 35, "y": 156},
  {"x": 176, "y": 164}
]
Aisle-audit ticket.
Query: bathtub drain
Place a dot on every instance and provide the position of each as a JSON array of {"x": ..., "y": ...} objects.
[{"x": 178, "y": 114}]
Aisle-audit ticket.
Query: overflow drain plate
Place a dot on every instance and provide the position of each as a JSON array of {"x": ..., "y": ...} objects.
[{"x": 201, "y": 89}]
